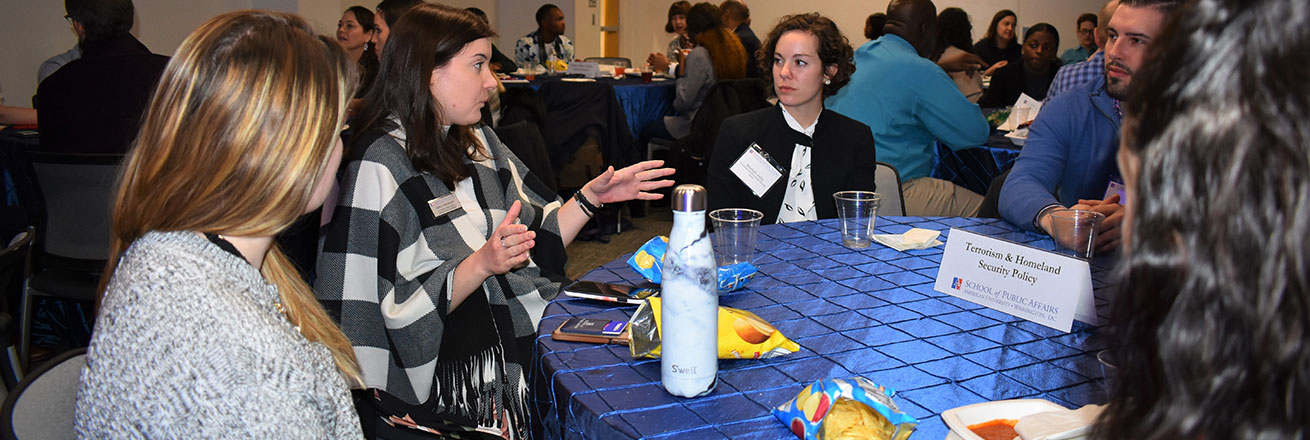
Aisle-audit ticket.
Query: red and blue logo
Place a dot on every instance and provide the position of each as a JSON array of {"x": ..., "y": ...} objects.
[{"x": 956, "y": 283}]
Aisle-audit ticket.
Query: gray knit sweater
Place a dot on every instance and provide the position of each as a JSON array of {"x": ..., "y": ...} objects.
[{"x": 188, "y": 344}]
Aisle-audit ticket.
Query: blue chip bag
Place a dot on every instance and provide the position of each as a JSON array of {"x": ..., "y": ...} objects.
[
  {"x": 840, "y": 409},
  {"x": 649, "y": 258},
  {"x": 649, "y": 262}
]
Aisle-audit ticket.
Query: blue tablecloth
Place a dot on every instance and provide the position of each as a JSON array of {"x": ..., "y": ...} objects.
[
  {"x": 642, "y": 102},
  {"x": 870, "y": 313},
  {"x": 974, "y": 168}
]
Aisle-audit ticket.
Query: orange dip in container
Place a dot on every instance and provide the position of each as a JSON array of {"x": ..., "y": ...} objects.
[{"x": 999, "y": 429}]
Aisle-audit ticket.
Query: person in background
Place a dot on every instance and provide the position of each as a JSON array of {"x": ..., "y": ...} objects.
[
  {"x": 205, "y": 328},
  {"x": 954, "y": 34},
  {"x": 547, "y": 42},
  {"x": 1033, "y": 76},
  {"x": 822, "y": 151},
  {"x": 1213, "y": 294},
  {"x": 873, "y": 25},
  {"x": 677, "y": 24},
  {"x": 94, "y": 104},
  {"x": 50, "y": 65},
  {"x": 355, "y": 32},
  {"x": 911, "y": 104},
  {"x": 1086, "y": 41},
  {"x": 737, "y": 18},
  {"x": 1086, "y": 71},
  {"x": 388, "y": 11},
  {"x": 444, "y": 249},
  {"x": 499, "y": 62},
  {"x": 10, "y": 115},
  {"x": 718, "y": 56},
  {"x": 998, "y": 44},
  {"x": 1069, "y": 157}
]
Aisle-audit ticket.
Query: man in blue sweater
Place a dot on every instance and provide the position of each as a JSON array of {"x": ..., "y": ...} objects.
[
  {"x": 909, "y": 102},
  {"x": 1069, "y": 158}
]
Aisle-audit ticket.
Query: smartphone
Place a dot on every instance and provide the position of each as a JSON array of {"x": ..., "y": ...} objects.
[
  {"x": 592, "y": 330},
  {"x": 620, "y": 293}
]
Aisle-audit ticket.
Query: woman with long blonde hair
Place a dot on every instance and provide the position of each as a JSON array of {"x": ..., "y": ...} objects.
[{"x": 205, "y": 329}]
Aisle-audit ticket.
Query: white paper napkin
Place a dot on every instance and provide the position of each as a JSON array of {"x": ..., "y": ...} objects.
[
  {"x": 912, "y": 239},
  {"x": 1025, "y": 110}
]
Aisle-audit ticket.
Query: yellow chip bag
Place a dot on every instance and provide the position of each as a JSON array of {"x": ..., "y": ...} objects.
[{"x": 742, "y": 334}]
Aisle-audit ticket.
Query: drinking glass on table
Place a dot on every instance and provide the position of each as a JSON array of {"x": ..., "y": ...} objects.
[
  {"x": 858, "y": 211},
  {"x": 735, "y": 230},
  {"x": 1074, "y": 231}
]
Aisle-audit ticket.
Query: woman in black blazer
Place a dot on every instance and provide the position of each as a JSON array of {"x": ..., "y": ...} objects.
[{"x": 807, "y": 60}]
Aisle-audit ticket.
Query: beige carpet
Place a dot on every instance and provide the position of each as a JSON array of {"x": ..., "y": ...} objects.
[{"x": 587, "y": 255}]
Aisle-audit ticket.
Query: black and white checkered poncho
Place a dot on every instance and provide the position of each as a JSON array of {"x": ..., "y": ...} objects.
[{"x": 385, "y": 270}]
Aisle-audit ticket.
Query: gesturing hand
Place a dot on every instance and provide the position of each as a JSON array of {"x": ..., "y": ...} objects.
[
  {"x": 629, "y": 183},
  {"x": 507, "y": 247}
]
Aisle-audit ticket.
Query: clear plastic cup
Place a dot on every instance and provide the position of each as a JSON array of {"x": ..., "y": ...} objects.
[
  {"x": 858, "y": 211},
  {"x": 1074, "y": 231},
  {"x": 735, "y": 231}
]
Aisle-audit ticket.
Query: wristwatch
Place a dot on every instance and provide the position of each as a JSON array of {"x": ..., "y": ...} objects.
[{"x": 1037, "y": 221}]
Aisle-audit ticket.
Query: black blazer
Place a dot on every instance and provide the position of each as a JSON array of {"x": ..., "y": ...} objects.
[{"x": 843, "y": 159}]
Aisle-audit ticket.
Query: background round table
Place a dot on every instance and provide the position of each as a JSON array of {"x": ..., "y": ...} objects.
[{"x": 870, "y": 312}]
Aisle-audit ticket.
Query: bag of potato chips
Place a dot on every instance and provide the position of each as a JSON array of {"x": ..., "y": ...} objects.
[
  {"x": 845, "y": 409},
  {"x": 649, "y": 262},
  {"x": 742, "y": 335}
]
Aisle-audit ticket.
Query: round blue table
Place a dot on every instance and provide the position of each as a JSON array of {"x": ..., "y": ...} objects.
[{"x": 870, "y": 312}]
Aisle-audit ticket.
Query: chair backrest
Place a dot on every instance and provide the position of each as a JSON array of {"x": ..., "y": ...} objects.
[
  {"x": 77, "y": 196},
  {"x": 41, "y": 406},
  {"x": 613, "y": 61},
  {"x": 726, "y": 98},
  {"x": 15, "y": 262},
  {"x": 525, "y": 140},
  {"x": 888, "y": 181}
]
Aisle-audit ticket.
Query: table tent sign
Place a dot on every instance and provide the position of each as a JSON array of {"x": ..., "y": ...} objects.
[
  {"x": 1029, "y": 283},
  {"x": 584, "y": 68}
]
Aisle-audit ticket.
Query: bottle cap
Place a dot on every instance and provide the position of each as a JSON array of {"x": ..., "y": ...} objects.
[{"x": 689, "y": 198}]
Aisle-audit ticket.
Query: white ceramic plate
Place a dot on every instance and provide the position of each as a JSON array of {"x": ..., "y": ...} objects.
[
  {"x": 1017, "y": 137},
  {"x": 959, "y": 419}
]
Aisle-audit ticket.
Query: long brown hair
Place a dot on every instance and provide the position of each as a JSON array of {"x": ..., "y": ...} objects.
[
  {"x": 423, "y": 39},
  {"x": 705, "y": 27},
  {"x": 237, "y": 134}
]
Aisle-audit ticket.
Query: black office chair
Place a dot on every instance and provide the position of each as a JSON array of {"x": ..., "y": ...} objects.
[
  {"x": 691, "y": 155},
  {"x": 613, "y": 61},
  {"x": 42, "y": 405},
  {"x": 15, "y": 267},
  {"x": 72, "y": 240}
]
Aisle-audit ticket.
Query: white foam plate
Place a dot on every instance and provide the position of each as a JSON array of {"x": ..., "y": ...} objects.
[{"x": 959, "y": 419}]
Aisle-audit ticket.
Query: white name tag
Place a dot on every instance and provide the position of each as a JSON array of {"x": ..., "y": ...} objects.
[
  {"x": 1033, "y": 284},
  {"x": 443, "y": 205},
  {"x": 757, "y": 170},
  {"x": 586, "y": 69}
]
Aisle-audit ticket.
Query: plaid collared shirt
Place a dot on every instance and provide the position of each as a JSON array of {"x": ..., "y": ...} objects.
[{"x": 1075, "y": 74}]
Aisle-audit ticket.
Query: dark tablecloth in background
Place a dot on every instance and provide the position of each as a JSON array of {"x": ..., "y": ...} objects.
[
  {"x": 870, "y": 313},
  {"x": 974, "y": 168},
  {"x": 642, "y": 102}
]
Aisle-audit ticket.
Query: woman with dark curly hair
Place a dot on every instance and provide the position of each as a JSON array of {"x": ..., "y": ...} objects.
[
  {"x": 1216, "y": 275},
  {"x": 806, "y": 59}
]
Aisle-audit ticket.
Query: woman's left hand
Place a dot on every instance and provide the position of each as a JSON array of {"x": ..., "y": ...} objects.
[{"x": 629, "y": 183}]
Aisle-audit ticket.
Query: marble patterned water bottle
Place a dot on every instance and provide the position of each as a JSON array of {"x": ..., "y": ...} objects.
[{"x": 689, "y": 317}]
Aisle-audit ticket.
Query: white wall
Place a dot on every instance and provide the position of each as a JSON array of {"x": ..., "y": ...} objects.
[{"x": 36, "y": 30}]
